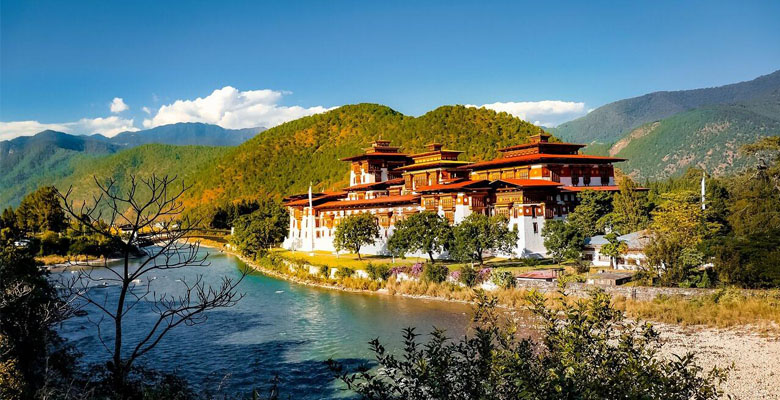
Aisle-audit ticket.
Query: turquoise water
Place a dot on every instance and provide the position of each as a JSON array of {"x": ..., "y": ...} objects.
[{"x": 278, "y": 328}]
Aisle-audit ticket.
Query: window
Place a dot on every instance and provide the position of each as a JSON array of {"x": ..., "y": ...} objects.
[
  {"x": 420, "y": 180},
  {"x": 536, "y": 228},
  {"x": 522, "y": 174}
]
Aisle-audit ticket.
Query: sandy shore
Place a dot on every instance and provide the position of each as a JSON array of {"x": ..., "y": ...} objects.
[{"x": 754, "y": 358}]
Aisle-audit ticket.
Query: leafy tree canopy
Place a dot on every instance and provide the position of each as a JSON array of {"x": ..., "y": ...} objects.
[
  {"x": 41, "y": 211},
  {"x": 478, "y": 234},
  {"x": 590, "y": 212},
  {"x": 261, "y": 230},
  {"x": 426, "y": 232},
  {"x": 630, "y": 208},
  {"x": 356, "y": 231},
  {"x": 563, "y": 239}
]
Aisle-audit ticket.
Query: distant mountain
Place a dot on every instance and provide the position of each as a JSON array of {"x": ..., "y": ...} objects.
[
  {"x": 30, "y": 161},
  {"x": 708, "y": 138},
  {"x": 187, "y": 133},
  {"x": 609, "y": 123},
  {"x": 27, "y": 162}
]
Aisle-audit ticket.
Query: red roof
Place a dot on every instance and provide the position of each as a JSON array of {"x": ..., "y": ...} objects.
[
  {"x": 541, "y": 144},
  {"x": 530, "y": 182},
  {"x": 388, "y": 182},
  {"x": 541, "y": 157},
  {"x": 321, "y": 196},
  {"x": 376, "y": 154},
  {"x": 452, "y": 186},
  {"x": 409, "y": 198}
]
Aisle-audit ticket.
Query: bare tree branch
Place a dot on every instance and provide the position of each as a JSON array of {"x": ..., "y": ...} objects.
[{"x": 145, "y": 213}]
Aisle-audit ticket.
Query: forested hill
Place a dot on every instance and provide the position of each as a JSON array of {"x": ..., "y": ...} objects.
[
  {"x": 31, "y": 161},
  {"x": 609, "y": 123},
  {"x": 184, "y": 162},
  {"x": 708, "y": 138},
  {"x": 284, "y": 159}
]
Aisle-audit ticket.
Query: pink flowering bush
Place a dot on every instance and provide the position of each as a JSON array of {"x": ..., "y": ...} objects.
[
  {"x": 416, "y": 270},
  {"x": 484, "y": 275}
]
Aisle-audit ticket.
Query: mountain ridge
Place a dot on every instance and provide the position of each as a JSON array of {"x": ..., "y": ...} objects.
[
  {"x": 27, "y": 162},
  {"x": 610, "y": 122}
]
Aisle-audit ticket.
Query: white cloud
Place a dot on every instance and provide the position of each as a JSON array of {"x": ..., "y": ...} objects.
[
  {"x": 118, "y": 105},
  {"x": 10, "y": 130},
  {"x": 545, "y": 113},
  {"x": 146, "y": 110},
  {"x": 230, "y": 108},
  {"x": 108, "y": 126}
]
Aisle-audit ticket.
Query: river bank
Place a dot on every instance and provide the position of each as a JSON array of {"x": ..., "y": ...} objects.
[{"x": 753, "y": 355}]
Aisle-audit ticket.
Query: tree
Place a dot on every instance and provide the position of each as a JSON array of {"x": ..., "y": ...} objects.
[
  {"x": 8, "y": 219},
  {"x": 261, "y": 230},
  {"x": 149, "y": 205},
  {"x": 479, "y": 233},
  {"x": 613, "y": 248},
  {"x": 356, "y": 231},
  {"x": 673, "y": 262},
  {"x": 587, "y": 350},
  {"x": 630, "y": 208},
  {"x": 32, "y": 354},
  {"x": 426, "y": 232},
  {"x": 678, "y": 229},
  {"x": 563, "y": 239},
  {"x": 41, "y": 211},
  {"x": 751, "y": 261},
  {"x": 589, "y": 214}
]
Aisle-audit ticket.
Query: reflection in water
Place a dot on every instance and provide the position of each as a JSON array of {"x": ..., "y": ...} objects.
[{"x": 279, "y": 328}]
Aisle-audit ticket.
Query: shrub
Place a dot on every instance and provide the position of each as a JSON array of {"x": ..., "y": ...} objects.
[
  {"x": 587, "y": 349},
  {"x": 504, "y": 279},
  {"x": 399, "y": 270},
  {"x": 455, "y": 276},
  {"x": 416, "y": 270},
  {"x": 435, "y": 273},
  {"x": 484, "y": 275},
  {"x": 378, "y": 272},
  {"x": 530, "y": 262},
  {"x": 344, "y": 272},
  {"x": 468, "y": 275},
  {"x": 325, "y": 271},
  {"x": 51, "y": 243}
]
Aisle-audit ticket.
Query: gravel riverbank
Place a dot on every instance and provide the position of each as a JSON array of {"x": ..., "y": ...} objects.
[{"x": 755, "y": 358}]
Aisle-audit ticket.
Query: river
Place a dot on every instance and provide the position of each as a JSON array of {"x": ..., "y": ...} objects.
[{"x": 278, "y": 329}]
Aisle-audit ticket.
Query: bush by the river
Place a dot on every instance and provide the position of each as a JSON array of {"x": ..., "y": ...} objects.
[
  {"x": 435, "y": 272},
  {"x": 587, "y": 350}
]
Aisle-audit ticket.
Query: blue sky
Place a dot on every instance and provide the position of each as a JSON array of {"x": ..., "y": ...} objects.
[{"x": 63, "y": 63}]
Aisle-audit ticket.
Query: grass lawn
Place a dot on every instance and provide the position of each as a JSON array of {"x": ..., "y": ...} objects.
[
  {"x": 351, "y": 261},
  {"x": 343, "y": 260}
]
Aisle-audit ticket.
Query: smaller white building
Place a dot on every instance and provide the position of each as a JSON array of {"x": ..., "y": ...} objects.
[{"x": 631, "y": 260}]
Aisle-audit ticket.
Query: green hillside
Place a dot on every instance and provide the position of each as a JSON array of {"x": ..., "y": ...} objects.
[
  {"x": 609, "y": 123},
  {"x": 284, "y": 159},
  {"x": 27, "y": 162},
  {"x": 31, "y": 161},
  {"x": 708, "y": 138},
  {"x": 186, "y": 162}
]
